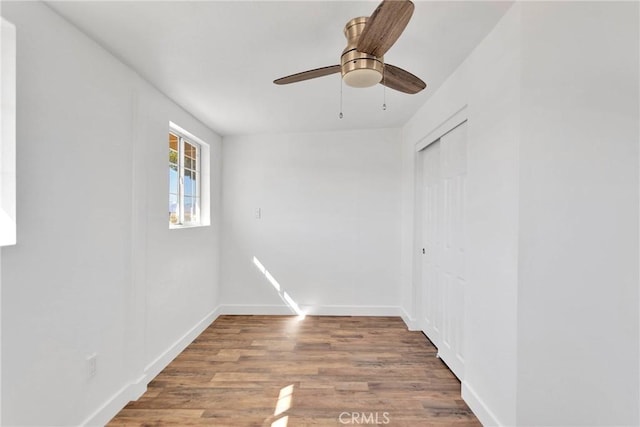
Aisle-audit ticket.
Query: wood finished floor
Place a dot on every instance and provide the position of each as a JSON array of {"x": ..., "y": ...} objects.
[{"x": 278, "y": 371}]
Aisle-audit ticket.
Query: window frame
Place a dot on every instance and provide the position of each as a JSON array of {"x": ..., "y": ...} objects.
[{"x": 199, "y": 173}]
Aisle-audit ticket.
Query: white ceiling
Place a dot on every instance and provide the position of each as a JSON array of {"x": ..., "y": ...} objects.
[{"x": 217, "y": 59}]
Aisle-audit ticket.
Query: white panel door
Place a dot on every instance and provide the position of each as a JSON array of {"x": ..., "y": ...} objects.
[
  {"x": 432, "y": 195},
  {"x": 444, "y": 276}
]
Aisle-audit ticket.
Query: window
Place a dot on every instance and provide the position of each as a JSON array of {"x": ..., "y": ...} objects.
[
  {"x": 185, "y": 176},
  {"x": 7, "y": 133}
]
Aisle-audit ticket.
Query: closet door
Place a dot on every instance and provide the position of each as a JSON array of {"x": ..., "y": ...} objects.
[
  {"x": 453, "y": 157},
  {"x": 444, "y": 276},
  {"x": 432, "y": 197}
]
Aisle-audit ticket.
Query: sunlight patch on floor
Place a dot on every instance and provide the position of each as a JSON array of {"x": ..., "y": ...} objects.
[
  {"x": 283, "y": 405},
  {"x": 282, "y": 422},
  {"x": 284, "y": 400}
]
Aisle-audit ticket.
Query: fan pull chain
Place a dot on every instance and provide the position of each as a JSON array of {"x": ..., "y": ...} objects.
[
  {"x": 384, "y": 91},
  {"x": 340, "y": 115}
]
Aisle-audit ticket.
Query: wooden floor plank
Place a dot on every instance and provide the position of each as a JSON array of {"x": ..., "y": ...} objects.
[{"x": 280, "y": 371}]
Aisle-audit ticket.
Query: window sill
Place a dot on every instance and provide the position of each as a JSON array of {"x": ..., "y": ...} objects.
[{"x": 180, "y": 226}]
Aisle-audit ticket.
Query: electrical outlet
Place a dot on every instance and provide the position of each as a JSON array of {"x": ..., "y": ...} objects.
[
  {"x": 92, "y": 365},
  {"x": 257, "y": 213}
]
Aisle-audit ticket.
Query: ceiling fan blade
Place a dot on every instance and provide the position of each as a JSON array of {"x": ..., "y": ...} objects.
[
  {"x": 306, "y": 75},
  {"x": 384, "y": 26},
  {"x": 401, "y": 80}
]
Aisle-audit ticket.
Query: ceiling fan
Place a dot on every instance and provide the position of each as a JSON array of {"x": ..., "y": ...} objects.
[{"x": 368, "y": 39}]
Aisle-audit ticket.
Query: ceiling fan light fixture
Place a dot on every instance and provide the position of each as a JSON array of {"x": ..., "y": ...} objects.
[
  {"x": 360, "y": 69},
  {"x": 368, "y": 39},
  {"x": 362, "y": 77}
]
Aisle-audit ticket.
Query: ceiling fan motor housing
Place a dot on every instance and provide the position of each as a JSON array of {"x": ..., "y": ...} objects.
[{"x": 359, "y": 69}]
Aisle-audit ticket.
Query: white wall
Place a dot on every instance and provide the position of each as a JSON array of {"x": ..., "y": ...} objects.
[
  {"x": 329, "y": 232},
  {"x": 0, "y": 335},
  {"x": 578, "y": 271},
  {"x": 492, "y": 209},
  {"x": 7, "y": 144},
  {"x": 552, "y": 304},
  {"x": 182, "y": 266},
  {"x": 96, "y": 269},
  {"x": 488, "y": 84}
]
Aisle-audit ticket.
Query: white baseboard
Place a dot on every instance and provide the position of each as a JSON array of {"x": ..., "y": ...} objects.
[
  {"x": 161, "y": 362},
  {"x": 136, "y": 388},
  {"x": 411, "y": 323},
  {"x": 352, "y": 310},
  {"x": 260, "y": 310},
  {"x": 326, "y": 310},
  {"x": 111, "y": 407},
  {"x": 479, "y": 408}
]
